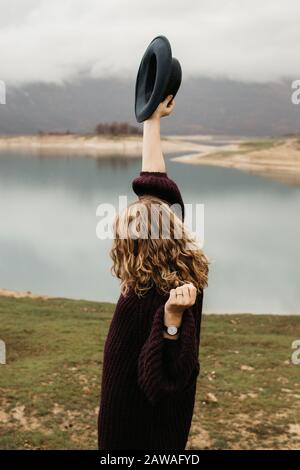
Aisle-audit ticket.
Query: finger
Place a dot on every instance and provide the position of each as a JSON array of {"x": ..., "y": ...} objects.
[
  {"x": 179, "y": 295},
  {"x": 191, "y": 288},
  {"x": 178, "y": 290},
  {"x": 188, "y": 285},
  {"x": 168, "y": 101},
  {"x": 186, "y": 294},
  {"x": 193, "y": 292},
  {"x": 172, "y": 297},
  {"x": 189, "y": 291},
  {"x": 168, "y": 98}
]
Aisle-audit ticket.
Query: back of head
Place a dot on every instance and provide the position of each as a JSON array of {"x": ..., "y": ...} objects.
[{"x": 167, "y": 254}]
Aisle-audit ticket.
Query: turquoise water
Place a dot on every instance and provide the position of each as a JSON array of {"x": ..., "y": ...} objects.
[{"x": 48, "y": 240}]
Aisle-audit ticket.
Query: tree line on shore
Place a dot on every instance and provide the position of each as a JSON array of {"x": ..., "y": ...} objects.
[
  {"x": 117, "y": 128},
  {"x": 114, "y": 128}
]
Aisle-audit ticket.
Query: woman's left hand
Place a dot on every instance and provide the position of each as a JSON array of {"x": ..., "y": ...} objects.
[{"x": 180, "y": 299}]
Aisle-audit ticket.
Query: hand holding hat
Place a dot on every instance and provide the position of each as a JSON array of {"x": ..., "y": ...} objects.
[{"x": 164, "y": 108}]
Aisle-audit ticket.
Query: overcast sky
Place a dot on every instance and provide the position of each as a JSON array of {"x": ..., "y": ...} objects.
[{"x": 59, "y": 40}]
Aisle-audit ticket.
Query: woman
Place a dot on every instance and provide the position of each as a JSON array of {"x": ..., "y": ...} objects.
[{"x": 151, "y": 361}]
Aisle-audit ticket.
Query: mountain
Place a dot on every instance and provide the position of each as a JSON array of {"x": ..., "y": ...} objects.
[{"x": 202, "y": 106}]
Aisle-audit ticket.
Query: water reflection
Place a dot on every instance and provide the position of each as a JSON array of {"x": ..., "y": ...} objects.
[{"x": 48, "y": 220}]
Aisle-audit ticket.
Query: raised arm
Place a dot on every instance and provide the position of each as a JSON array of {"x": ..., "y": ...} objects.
[
  {"x": 153, "y": 159},
  {"x": 153, "y": 179}
]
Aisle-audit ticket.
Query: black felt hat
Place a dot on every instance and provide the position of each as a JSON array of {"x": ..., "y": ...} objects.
[{"x": 159, "y": 75}]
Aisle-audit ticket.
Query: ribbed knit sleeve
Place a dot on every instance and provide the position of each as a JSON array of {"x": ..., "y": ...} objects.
[
  {"x": 167, "y": 366},
  {"x": 158, "y": 184}
]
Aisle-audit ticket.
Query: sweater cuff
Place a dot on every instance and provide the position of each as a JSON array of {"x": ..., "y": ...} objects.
[
  {"x": 163, "y": 174},
  {"x": 165, "y": 368}
]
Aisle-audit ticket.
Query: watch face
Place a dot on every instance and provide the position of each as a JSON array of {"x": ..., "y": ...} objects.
[{"x": 172, "y": 330}]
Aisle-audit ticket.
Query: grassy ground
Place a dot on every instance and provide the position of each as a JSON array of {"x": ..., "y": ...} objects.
[{"x": 248, "y": 391}]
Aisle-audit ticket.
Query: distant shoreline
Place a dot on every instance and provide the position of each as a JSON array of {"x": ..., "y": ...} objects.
[
  {"x": 97, "y": 146},
  {"x": 22, "y": 295},
  {"x": 275, "y": 158}
]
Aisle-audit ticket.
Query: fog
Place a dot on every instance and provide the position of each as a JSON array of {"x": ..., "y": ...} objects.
[{"x": 61, "y": 41}]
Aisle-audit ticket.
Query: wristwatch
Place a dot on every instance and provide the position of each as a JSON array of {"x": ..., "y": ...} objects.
[{"x": 172, "y": 330}]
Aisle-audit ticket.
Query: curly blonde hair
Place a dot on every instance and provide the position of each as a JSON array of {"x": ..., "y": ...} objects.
[{"x": 166, "y": 260}]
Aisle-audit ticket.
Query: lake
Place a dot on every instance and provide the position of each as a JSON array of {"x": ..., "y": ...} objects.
[{"x": 48, "y": 221}]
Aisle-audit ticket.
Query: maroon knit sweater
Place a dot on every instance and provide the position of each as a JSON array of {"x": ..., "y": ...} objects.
[{"x": 148, "y": 381}]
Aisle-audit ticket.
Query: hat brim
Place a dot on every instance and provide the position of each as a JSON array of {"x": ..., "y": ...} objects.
[{"x": 152, "y": 77}]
